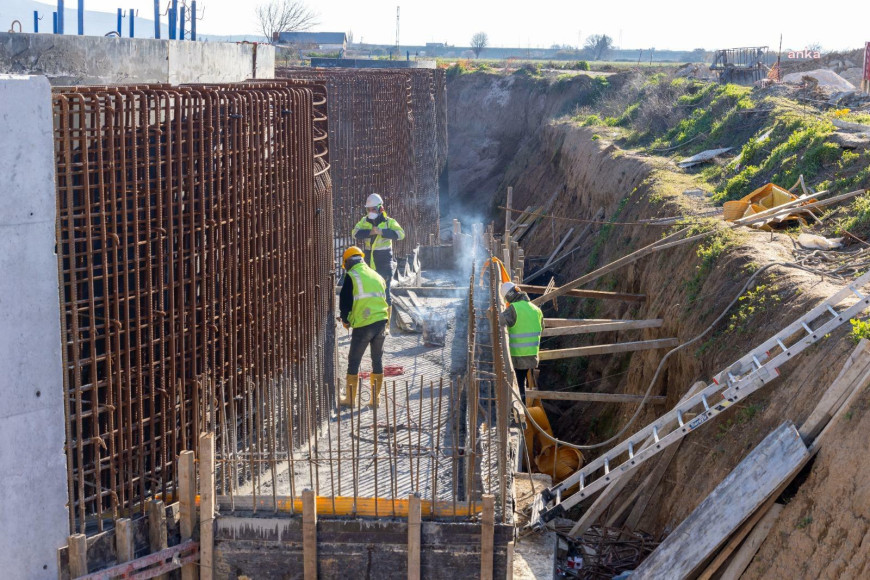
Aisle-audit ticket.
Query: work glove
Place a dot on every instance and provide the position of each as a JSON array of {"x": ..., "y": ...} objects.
[{"x": 345, "y": 325}]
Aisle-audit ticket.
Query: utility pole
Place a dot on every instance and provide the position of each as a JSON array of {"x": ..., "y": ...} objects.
[{"x": 397, "y": 32}]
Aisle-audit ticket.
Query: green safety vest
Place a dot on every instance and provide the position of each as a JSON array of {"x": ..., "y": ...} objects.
[
  {"x": 525, "y": 336},
  {"x": 369, "y": 296},
  {"x": 378, "y": 242}
]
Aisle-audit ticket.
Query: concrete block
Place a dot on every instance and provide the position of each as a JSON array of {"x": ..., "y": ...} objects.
[{"x": 32, "y": 461}]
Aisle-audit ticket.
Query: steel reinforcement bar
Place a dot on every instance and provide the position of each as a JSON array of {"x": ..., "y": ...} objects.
[{"x": 195, "y": 259}]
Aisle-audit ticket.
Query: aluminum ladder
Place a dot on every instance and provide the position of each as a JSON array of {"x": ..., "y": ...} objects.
[{"x": 737, "y": 382}]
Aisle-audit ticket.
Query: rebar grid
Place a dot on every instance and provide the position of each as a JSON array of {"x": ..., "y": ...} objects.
[
  {"x": 195, "y": 263},
  {"x": 388, "y": 135}
]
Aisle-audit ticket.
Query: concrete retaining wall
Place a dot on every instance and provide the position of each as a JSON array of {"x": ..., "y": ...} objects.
[
  {"x": 271, "y": 547},
  {"x": 98, "y": 60},
  {"x": 32, "y": 463}
]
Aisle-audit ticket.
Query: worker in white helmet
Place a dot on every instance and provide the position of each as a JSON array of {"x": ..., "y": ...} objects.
[
  {"x": 525, "y": 323},
  {"x": 375, "y": 233}
]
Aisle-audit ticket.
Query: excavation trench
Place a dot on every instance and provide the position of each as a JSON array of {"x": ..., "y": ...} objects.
[{"x": 586, "y": 176}]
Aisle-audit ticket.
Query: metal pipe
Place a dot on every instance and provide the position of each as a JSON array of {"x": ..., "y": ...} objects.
[
  {"x": 181, "y": 24},
  {"x": 54, "y": 22},
  {"x": 35, "y": 22},
  {"x": 81, "y": 17},
  {"x": 193, "y": 20},
  {"x": 120, "y": 17},
  {"x": 132, "y": 16},
  {"x": 60, "y": 18}
]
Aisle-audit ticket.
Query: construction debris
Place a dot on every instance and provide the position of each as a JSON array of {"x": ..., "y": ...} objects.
[
  {"x": 602, "y": 553},
  {"x": 703, "y": 157},
  {"x": 824, "y": 77}
]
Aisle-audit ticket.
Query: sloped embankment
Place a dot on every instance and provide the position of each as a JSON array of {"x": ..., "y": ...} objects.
[{"x": 689, "y": 287}]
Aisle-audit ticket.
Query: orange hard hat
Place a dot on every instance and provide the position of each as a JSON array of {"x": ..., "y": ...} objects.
[{"x": 349, "y": 253}]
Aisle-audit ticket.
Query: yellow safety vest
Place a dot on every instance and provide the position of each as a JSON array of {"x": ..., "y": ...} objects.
[
  {"x": 524, "y": 337},
  {"x": 369, "y": 296}
]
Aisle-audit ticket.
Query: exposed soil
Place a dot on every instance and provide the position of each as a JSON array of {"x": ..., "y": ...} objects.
[{"x": 589, "y": 173}]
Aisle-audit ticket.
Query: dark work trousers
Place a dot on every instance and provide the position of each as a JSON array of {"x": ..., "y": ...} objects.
[
  {"x": 521, "y": 381},
  {"x": 362, "y": 337},
  {"x": 384, "y": 265}
]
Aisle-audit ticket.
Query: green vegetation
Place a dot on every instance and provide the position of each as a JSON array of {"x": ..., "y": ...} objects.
[
  {"x": 751, "y": 304},
  {"x": 742, "y": 417},
  {"x": 804, "y": 522},
  {"x": 860, "y": 329},
  {"x": 709, "y": 250},
  {"x": 857, "y": 216}
]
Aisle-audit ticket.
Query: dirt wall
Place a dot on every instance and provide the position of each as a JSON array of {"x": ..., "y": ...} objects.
[{"x": 689, "y": 287}]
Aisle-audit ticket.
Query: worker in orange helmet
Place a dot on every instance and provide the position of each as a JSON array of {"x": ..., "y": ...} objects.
[{"x": 362, "y": 305}]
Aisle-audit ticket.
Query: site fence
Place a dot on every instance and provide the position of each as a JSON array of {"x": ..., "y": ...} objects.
[{"x": 195, "y": 257}]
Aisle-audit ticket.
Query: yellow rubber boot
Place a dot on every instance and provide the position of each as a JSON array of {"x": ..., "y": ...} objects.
[
  {"x": 377, "y": 383},
  {"x": 350, "y": 391}
]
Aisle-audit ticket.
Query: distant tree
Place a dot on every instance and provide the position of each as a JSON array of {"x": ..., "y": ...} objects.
[
  {"x": 277, "y": 16},
  {"x": 349, "y": 36},
  {"x": 598, "y": 46},
  {"x": 814, "y": 47},
  {"x": 478, "y": 42}
]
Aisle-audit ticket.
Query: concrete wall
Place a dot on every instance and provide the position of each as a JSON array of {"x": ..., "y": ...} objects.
[
  {"x": 270, "y": 547},
  {"x": 32, "y": 464},
  {"x": 98, "y": 60}
]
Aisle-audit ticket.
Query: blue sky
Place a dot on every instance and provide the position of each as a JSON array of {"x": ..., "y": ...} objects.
[{"x": 674, "y": 24}]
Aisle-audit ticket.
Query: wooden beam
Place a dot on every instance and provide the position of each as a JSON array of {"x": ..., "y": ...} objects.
[
  {"x": 309, "y": 535},
  {"x": 158, "y": 534},
  {"x": 599, "y": 349},
  {"x": 591, "y": 397},
  {"x": 856, "y": 366},
  {"x": 753, "y": 542},
  {"x": 604, "y": 295},
  {"x": 734, "y": 500},
  {"x": 602, "y": 327},
  {"x": 124, "y": 540},
  {"x": 206, "y": 506},
  {"x": 78, "y": 555},
  {"x": 552, "y": 256},
  {"x": 507, "y": 211},
  {"x": 608, "y": 494},
  {"x": 556, "y": 322},
  {"x": 737, "y": 539},
  {"x": 187, "y": 505},
  {"x": 487, "y": 538},
  {"x": 414, "y": 529}
]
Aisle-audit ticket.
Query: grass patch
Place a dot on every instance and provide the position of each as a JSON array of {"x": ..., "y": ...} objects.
[
  {"x": 860, "y": 329},
  {"x": 750, "y": 305}
]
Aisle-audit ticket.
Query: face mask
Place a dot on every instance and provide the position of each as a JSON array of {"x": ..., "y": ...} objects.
[{"x": 373, "y": 215}]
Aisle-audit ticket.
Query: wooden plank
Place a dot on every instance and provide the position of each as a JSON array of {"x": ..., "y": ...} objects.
[
  {"x": 124, "y": 540},
  {"x": 592, "y": 397},
  {"x": 206, "y": 506},
  {"x": 552, "y": 256},
  {"x": 747, "y": 551},
  {"x": 737, "y": 539},
  {"x": 158, "y": 535},
  {"x": 608, "y": 494},
  {"x": 600, "y": 349},
  {"x": 604, "y": 295},
  {"x": 78, "y": 555},
  {"x": 855, "y": 366},
  {"x": 510, "y": 561},
  {"x": 556, "y": 322},
  {"x": 507, "y": 211},
  {"x": 309, "y": 534},
  {"x": 414, "y": 530},
  {"x": 187, "y": 505},
  {"x": 729, "y": 505},
  {"x": 487, "y": 537},
  {"x": 602, "y": 327}
]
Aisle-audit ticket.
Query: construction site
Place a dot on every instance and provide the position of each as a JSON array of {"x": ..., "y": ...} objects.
[{"x": 177, "y": 358}]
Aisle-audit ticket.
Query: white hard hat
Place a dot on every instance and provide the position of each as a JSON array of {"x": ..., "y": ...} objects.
[
  {"x": 507, "y": 287},
  {"x": 374, "y": 200}
]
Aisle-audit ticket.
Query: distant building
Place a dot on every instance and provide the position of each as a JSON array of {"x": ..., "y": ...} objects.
[
  {"x": 325, "y": 41},
  {"x": 436, "y": 44}
]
